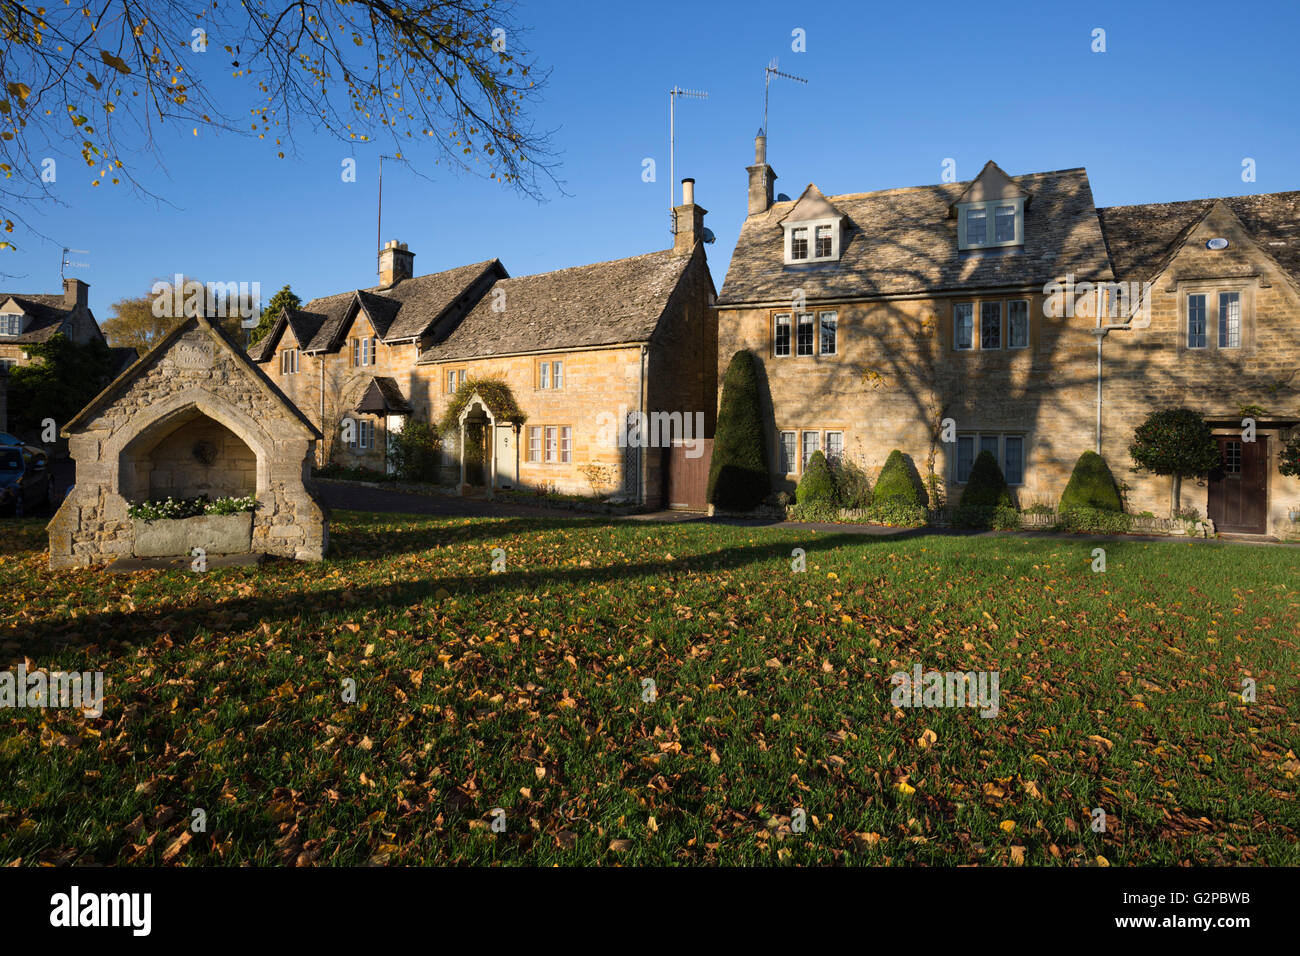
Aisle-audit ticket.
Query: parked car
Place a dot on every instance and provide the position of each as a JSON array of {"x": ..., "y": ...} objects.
[
  {"x": 8, "y": 439},
  {"x": 25, "y": 480}
]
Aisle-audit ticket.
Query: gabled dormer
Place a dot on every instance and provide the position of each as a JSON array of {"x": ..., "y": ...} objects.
[
  {"x": 13, "y": 321},
  {"x": 814, "y": 230},
  {"x": 991, "y": 212}
]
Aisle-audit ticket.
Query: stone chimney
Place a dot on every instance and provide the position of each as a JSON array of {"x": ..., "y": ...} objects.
[
  {"x": 396, "y": 263},
  {"x": 761, "y": 178},
  {"x": 75, "y": 292},
  {"x": 688, "y": 221}
]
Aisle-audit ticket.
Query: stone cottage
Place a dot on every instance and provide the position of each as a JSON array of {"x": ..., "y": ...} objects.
[
  {"x": 193, "y": 417},
  {"x": 1033, "y": 323},
  {"x": 585, "y": 351}
]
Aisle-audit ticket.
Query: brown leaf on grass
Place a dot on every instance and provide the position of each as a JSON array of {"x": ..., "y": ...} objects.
[
  {"x": 1017, "y": 856},
  {"x": 176, "y": 846},
  {"x": 620, "y": 846}
]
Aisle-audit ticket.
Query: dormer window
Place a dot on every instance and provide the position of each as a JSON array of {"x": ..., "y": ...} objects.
[
  {"x": 813, "y": 229},
  {"x": 812, "y": 242},
  {"x": 799, "y": 243},
  {"x": 990, "y": 211},
  {"x": 991, "y": 225},
  {"x": 11, "y": 323}
]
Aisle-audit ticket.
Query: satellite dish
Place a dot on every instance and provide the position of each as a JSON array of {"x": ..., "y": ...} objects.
[
  {"x": 709, "y": 236},
  {"x": 1217, "y": 243},
  {"x": 782, "y": 197}
]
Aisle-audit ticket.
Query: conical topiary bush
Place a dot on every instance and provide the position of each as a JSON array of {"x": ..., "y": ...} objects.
[
  {"x": 817, "y": 486},
  {"x": 738, "y": 474},
  {"x": 1091, "y": 485}
]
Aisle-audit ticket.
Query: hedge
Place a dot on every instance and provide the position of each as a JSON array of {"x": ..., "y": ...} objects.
[
  {"x": 1091, "y": 485},
  {"x": 899, "y": 483}
]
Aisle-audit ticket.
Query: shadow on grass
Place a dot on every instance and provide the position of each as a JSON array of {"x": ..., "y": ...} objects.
[{"x": 118, "y": 632}]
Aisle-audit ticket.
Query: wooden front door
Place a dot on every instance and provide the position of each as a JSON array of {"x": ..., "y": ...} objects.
[
  {"x": 688, "y": 475},
  {"x": 1239, "y": 486}
]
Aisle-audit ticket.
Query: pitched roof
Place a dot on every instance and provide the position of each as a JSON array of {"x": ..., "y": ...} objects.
[
  {"x": 119, "y": 385},
  {"x": 901, "y": 241},
  {"x": 811, "y": 205},
  {"x": 46, "y": 314},
  {"x": 405, "y": 311},
  {"x": 1141, "y": 238},
  {"x": 304, "y": 324},
  {"x": 604, "y": 303},
  {"x": 383, "y": 394}
]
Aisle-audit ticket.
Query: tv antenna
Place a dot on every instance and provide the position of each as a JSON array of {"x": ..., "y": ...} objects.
[
  {"x": 675, "y": 92},
  {"x": 379, "y": 223},
  {"x": 67, "y": 262},
  {"x": 770, "y": 71}
]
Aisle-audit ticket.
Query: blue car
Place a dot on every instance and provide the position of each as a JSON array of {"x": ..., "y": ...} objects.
[{"x": 26, "y": 484}]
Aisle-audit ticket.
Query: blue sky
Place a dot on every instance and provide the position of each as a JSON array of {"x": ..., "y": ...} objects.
[{"x": 1183, "y": 93}]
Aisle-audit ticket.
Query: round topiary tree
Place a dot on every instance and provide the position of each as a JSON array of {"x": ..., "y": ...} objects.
[
  {"x": 1178, "y": 443},
  {"x": 817, "y": 486},
  {"x": 1091, "y": 485},
  {"x": 738, "y": 473},
  {"x": 899, "y": 483},
  {"x": 985, "y": 488}
]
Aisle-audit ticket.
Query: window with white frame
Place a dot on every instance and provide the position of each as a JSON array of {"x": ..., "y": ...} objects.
[
  {"x": 7, "y": 363},
  {"x": 566, "y": 443},
  {"x": 781, "y": 336},
  {"x": 1196, "y": 321},
  {"x": 834, "y": 446},
  {"x": 363, "y": 351},
  {"x": 544, "y": 375},
  {"x": 289, "y": 362},
  {"x": 1007, "y": 449},
  {"x": 992, "y": 224},
  {"x": 799, "y": 242},
  {"x": 811, "y": 444},
  {"x": 813, "y": 241},
  {"x": 963, "y": 325},
  {"x": 1018, "y": 324},
  {"x": 534, "y": 443},
  {"x": 788, "y": 464},
  {"x": 557, "y": 375},
  {"x": 804, "y": 341},
  {"x": 363, "y": 435},
  {"x": 990, "y": 325},
  {"x": 827, "y": 324},
  {"x": 11, "y": 323},
  {"x": 455, "y": 379},
  {"x": 1229, "y": 320},
  {"x": 822, "y": 250},
  {"x": 552, "y": 443}
]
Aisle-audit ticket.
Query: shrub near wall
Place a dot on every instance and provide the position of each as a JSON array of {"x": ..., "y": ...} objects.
[
  {"x": 738, "y": 473},
  {"x": 986, "y": 499},
  {"x": 1091, "y": 486}
]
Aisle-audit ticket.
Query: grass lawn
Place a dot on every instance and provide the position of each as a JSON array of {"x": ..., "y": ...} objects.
[{"x": 524, "y": 690}]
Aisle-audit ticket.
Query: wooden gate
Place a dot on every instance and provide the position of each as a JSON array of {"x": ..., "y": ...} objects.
[
  {"x": 688, "y": 478},
  {"x": 1238, "y": 494}
]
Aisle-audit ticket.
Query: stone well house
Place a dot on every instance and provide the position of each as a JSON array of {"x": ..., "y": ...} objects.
[
  {"x": 1004, "y": 307},
  {"x": 193, "y": 416},
  {"x": 582, "y": 350}
]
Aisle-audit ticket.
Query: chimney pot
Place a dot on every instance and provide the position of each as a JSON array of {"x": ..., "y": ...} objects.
[{"x": 688, "y": 192}]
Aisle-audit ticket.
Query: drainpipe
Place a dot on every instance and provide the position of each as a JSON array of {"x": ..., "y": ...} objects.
[
  {"x": 323, "y": 440},
  {"x": 1100, "y": 332},
  {"x": 641, "y": 458}
]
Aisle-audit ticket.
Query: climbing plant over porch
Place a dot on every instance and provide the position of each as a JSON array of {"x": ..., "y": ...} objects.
[{"x": 496, "y": 394}]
